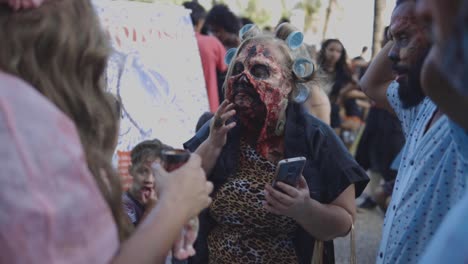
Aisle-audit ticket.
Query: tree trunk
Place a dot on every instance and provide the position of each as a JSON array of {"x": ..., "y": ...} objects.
[
  {"x": 378, "y": 30},
  {"x": 331, "y": 6}
]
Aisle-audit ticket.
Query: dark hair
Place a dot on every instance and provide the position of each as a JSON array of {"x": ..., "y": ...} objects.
[
  {"x": 398, "y": 2},
  {"x": 245, "y": 20},
  {"x": 283, "y": 20},
  {"x": 343, "y": 73},
  {"x": 198, "y": 12},
  {"x": 221, "y": 16},
  {"x": 147, "y": 149},
  {"x": 203, "y": 119}
]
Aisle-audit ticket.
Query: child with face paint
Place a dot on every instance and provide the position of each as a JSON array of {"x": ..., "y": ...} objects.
[{"x": 261, "y": 122}]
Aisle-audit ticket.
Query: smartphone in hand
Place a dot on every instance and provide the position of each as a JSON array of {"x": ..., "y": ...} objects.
[{"x": 289, "y": 171}]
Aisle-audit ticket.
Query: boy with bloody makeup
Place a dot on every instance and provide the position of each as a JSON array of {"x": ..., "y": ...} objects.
[
  {"x": 142, "y": 194},
  {"x": 433, "y": 171},
  {"x": 249, "y": 220}
]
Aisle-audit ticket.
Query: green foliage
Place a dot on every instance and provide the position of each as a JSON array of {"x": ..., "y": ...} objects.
[
  {"x": 259, "y": 15},
  {"x": 310, "y": 7},
  {"x": 285, "y": 12}
]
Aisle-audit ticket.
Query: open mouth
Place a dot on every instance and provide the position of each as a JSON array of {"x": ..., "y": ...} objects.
[
  {"x": 243, "y": 100},
  {"x": 245, "y": 95},
  {"x": 146, "y": 191},
  {"x": 400, "y": 77},
  {"x": 401, "y": 73}
]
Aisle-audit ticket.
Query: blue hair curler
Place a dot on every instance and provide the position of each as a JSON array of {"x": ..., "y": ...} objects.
[
  {"x": 248, "y": 31},
  {"x": 295, "y": 39},
  {"x": 303, "y": 68},
  {"x": 230, "y": 55},
  {"x": 244, "y": 29},
  {"x": 302, "y": 93}
]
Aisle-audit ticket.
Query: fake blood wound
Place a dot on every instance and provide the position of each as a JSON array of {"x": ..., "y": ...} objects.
[{"x": 258, "y": 87}]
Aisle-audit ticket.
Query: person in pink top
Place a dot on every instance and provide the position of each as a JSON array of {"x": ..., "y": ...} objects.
[
  {"x": 212, "y": 54},
  {"x": 60, "y": 199}
]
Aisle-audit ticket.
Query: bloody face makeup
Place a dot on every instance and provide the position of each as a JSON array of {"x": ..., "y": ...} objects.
[
  {"x": 410, "y": 48},
  {"x": 259, "y": 88}
]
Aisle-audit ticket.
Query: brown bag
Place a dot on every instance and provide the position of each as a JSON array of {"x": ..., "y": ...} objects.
[{"x": 317, "y": 257}]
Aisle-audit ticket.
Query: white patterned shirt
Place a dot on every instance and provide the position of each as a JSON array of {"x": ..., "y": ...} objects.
[{"x": 430, "y": 181}]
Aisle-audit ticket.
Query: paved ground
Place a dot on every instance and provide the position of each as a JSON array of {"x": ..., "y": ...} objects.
[{"x": 368, "y": 229}]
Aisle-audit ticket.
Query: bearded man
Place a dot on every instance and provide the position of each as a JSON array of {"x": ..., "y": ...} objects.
[{"x": 432, "y": 174}]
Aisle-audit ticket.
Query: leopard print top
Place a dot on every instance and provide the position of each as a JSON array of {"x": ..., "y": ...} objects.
[{"x": 246, "y": 232}]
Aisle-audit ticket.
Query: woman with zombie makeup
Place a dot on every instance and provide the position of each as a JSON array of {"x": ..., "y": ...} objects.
[
  {"x": 60, "y": 197},
  {"x": 262, "y": 122},
  {"x": 341, "y": 89}
]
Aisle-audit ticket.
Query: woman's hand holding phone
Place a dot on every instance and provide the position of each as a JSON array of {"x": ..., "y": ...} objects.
[{"x": 288, "y": 200}]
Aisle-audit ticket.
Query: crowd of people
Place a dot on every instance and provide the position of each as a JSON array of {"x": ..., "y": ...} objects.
[{"x": 393, "y": 131}]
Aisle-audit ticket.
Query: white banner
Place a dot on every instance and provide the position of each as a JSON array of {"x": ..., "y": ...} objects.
[{"x": 156, "y": 71}]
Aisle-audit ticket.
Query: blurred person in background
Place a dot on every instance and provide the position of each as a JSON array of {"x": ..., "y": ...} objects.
[
  {"x": 55, "y": 121},
  {"x": 245, "y": 20},
  {"x": 212, "y": 54},
  {"x": 225, "y": 26},
  {"x": 379, "y": 146},
  {"x": 342, "y": 89}
]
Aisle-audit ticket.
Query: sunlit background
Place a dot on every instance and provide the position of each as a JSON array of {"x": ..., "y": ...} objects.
[{"x": 351, "y": 21}]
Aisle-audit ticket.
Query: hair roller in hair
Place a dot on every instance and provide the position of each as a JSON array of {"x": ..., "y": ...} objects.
[
  {"x": 230, "y": 55},
  {"x": 290, "y": 35},
  {"x": 303, "y": 68},
  {"x": 248, "y": 31},
  {"x": 295, "y": 39},
  {"x": 301, "y": 94}
]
